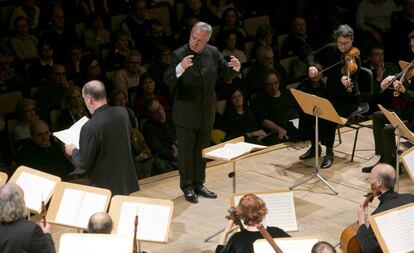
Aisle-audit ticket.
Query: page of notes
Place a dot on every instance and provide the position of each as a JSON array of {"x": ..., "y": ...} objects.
[
  {"x": 153, "y": 221},
  {"x": 233, "y": 150},
  {"x": 409, "y": 160},
  {"x": 281, "y": 210},
  {"x": 87, "y": 243},
  {"x": 35, "y": 189},
  {"x": 288, "y": 245}
]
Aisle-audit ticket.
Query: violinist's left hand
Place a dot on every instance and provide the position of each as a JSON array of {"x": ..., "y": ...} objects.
[
  {"x": 345, "y": 81},
  {"x": 398, "y": 86}
]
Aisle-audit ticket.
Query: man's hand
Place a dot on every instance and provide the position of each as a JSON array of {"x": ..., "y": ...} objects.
[
  {"x": 379, "y": 72},
  {"x": 69, "y": 149},
  {"x": 46, "y": 228},
  {"x": 282, "y": 134},
  {"x": 398, "y": 86},
  {"x": 234, "y": 63},
  {"x": 187, "y": 61},
  {"x": 385, "y": 83},
  {"x": 362, "y": 215}
]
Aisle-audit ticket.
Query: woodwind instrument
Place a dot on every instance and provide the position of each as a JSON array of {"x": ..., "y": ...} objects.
[
  {"x": 135, "y": 245},
  {"x": 43, "y": 213}
]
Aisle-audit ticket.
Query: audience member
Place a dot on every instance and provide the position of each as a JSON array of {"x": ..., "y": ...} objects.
[
  {"x": 263, "y": 37},
  {"x": 401, "y": 25},
  {"x": 115, "y": 59},
  {"x": 17, "y": 233},
  {"x": 23, "y": 44},
  {"x": 218, "y": 7},
  {"x": 195, "y": 8},
  {"x": 156, "y": 37},
  {"x": 96, "y": 34},
  {"x": 43, "y": 152},
  {"x": 10, "y": 79},
  {"x": 26, "y": 113},
  {"x": 29, "y": 10},
  {"x": 91, "y": 7},
  {"x": 128, "y": 79},
  {"x": 297, "y": 39},
  {"x": 72, "y": 66},
  {"x": 323, "y": 247},
  {"x": 239, "y": 120},
  {"x": 275, "y": 108},
  {"x": 157, "y": 69},
  {"x": 100, "y": 223},
  {"x": 137, "y": 23},
  {"x": 104, "y": 146},
  {"x": 41, "y": 68},
  {"x": 251, "y": 210},
  {"x": 90, "y": 68},
  {"x": 231, "y": 20},
  {"x": 73, "y": 108},
  {"x": 231, "y": 42},
  {"x": 381, "y": 182}
]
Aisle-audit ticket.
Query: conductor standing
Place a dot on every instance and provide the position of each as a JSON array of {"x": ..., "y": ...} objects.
[{"x": 192, "y": 76}]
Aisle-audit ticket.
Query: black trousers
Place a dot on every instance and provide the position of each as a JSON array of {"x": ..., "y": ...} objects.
[{"x": 192, "y": 165}]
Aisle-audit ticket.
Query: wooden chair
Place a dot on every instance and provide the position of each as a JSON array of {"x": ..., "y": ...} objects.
[
  {"x": 8, "y": 102},
  {"x": 251, "y": 24}
]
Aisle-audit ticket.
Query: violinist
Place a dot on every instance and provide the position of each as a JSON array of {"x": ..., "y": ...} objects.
[
  {"x": 384, "y": 136},
  {"x": 251, "y": 210},
  {"x": 381, "y": 180},
  {"x": 17, "y": 234},
  {"x": 342, "y": 63}
]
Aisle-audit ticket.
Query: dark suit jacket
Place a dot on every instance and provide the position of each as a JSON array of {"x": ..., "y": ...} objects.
[
  {"x": 105, "y": 151},
  {"x": 24, "y": 236},
  {"x": 194, "y": 98}
]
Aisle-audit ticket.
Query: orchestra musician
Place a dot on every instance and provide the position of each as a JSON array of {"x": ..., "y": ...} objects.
[
  {"x": 381, "y": 180},
  {"x": 342, "y": 64},
  {"x": 252, "y": 210},
  {"x": 384, "y": 136}
]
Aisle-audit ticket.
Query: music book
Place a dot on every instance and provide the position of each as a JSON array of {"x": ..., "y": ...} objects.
[
  {"x": 154, "y": 217},
  {"x": 3, "y": 178},
  {"x": 281, "y": 208},
  {"x": 89, "y": 243},
  {"x": 394, "y": 229},
  {"x": 407, "y": 158},
  {"x": 233, "y": 150},
  {"x": 37, "y": 186},
  {"x": 73, "y": 204},
  {"x": 286, "y": 244},
  {"x": 72, "y": 134}
]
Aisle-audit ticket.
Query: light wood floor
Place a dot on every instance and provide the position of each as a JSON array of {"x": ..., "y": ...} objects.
[{"x": 319, "y": 212}]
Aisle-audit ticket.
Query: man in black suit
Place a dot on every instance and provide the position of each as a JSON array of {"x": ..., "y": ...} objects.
[
  {"x": 192, "y": 76},
  {"x": 17, "y": 234},
  {"x": 104, "y": 145}
]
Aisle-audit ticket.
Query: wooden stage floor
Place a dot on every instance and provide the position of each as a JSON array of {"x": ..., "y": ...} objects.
[{"x": 319, "y": 212}]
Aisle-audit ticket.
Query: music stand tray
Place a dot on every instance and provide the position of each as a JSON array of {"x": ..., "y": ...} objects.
[{"x": 319, "y": 108}]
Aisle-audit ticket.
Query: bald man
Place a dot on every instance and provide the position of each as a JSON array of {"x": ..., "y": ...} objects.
[
  {"x": 104, "y": 144},
  {"x": 382, "y": 177},
  {"x": 100, "y": 223}
]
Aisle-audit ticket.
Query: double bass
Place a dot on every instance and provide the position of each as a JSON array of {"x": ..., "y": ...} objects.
[{"x": 349, "y": 242}]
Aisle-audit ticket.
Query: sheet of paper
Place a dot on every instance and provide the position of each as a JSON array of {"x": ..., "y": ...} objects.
[
  {"x": 152, "y": 221},
  {"x": 72, "y": 134},
  {"x": 92, "y": 203},
  {"x": 295, "y": 122},
  {"x": 35, "y": 189},
  {"x": 244, "y": 146},
  {"x": 397, "y": 230},
  {"x": 409, "y": 159},
  {"x": 288, "y": 245},
  {"x": 233, "y": 150},
  {"x": 70, "y": 205},
  {"x": 281, "y": 210},
  {"x": 87, "y": 243}
]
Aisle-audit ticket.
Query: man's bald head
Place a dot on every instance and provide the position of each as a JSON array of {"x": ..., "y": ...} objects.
[
  {"x": 100, "y": 223},
  {"x": 385, "y": 173},
  {"x": 95, "y": 89}
]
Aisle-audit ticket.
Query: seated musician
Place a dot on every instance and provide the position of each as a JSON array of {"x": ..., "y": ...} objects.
[
  {"x": 323, "y": 247},
  {"x": 17, "y": 234},
  {"x": 251, "y": 210},
  {"x": 382, "y": 181},
  {"x": 383, "y": 131},
  {"x": 100, "y": 223}
]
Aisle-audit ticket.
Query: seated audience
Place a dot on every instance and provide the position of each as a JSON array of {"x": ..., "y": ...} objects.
[
  {"x": 100, "y": 223},
  {"x": 74, "y": 108},
  {"x": 29, "y": 10},
  {"x": 231, "y": 41},
  {"x": 10, "y": 79},
  {"x": 23, "y": 44},
  {"x": 115, "y": 59},
  {"x": 41, "y": 68},
  {"x": 96, "y": 34},
  {"x": 26, "y": 113},
  {"x": 296, "y": 40},
  {"x": 43, "y": 152},
  {"x": 239, "y": 120},
  {"x": 230, "y": 20},
  {"x": 17, "y": 233},
  {"x": 251, "y": 210},
  {"x": 157, "y": 69},
  {"x": 90, "y": 69}
]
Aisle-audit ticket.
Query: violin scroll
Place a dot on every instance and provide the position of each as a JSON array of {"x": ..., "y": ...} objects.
[{"x": 235, "y": 217}]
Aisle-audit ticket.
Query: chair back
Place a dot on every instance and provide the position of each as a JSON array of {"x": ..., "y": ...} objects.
[{"x": 365, "y": 83}]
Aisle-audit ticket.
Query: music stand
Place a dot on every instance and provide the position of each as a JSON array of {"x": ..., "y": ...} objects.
[
  {"x": 400, "y": 130},
  {"x": 319, "y": 108}
]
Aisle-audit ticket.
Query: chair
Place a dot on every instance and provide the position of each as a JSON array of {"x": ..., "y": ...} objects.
[
  {"x": 281, "y": 40},
  {"x": 54, "y": 119},
  {"x": 161, "y": 11},
  {"x": 251, "y": 24},
  {"x": 116, "y": 21},
  {"x": 365, "y": 84},
  {"x": 8, "y": 102},
  {"x": 80, "y": 30}
]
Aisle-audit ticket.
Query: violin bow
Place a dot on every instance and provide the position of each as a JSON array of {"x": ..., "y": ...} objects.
[
  {"x": 135, "y": 244},
  {"x": 43, "y": 213}
]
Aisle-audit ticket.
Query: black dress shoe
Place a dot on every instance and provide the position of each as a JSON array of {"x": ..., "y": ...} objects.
[
  {"x": 310, "y": 153},
  {"x": 190, "y": 196},
  {"x": 203, "y": 191},
  {"x": 367, "y": 169},
  {"x": 327, "y": 161}
]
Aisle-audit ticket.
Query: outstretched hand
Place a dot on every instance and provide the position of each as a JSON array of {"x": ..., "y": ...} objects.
[
  {"x": 187, "y": 61},
  {"x": 234, "y": 63}
]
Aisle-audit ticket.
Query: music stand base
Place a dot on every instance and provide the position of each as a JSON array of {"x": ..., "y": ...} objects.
[{"x": 315, "y": 174}]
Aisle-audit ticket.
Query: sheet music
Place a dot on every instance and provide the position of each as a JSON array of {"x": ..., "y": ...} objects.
[
  {"x": 77, "y": 207},
  {"x": 35, "y": 189},
  {"x": 409, "y": 160},
  {"x": 232, "y": 150},
  {"x": 87, "y": 243},
  {"x": 287, "y": 245},
  {"x": 152, "y": 221},
  {"x": 281, "y": 210},
  {"x": 397, "y": 229},
  {"x": 72, "y": 134}
]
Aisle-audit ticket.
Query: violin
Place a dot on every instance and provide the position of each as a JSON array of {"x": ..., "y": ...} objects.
[
  {"x": 406, "y": 73},
  {"x": 349, "y": 243},
  {"x": 234, "y": 217},
  {"x": 350, "y": 65},
  {"x": 43, "y": 213}
]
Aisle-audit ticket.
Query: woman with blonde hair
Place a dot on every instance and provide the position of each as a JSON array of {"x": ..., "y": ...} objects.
[{"x": 251, "y": 210}]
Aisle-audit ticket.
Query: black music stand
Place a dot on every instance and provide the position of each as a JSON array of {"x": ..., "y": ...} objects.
[{"x": 319, "y": 108}]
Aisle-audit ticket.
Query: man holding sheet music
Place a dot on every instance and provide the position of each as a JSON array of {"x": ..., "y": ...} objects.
[
  {"x": 104, "y": 144},
  {"x": 382, "y": 180}
]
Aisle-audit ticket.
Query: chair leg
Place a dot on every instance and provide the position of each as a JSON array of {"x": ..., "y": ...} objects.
[
  {"x": 339, "y": 135},
  {"x": 355, "y": 141}
]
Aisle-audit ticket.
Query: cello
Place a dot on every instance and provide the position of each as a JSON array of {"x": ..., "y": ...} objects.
[{"x": 349, "y": 242}]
